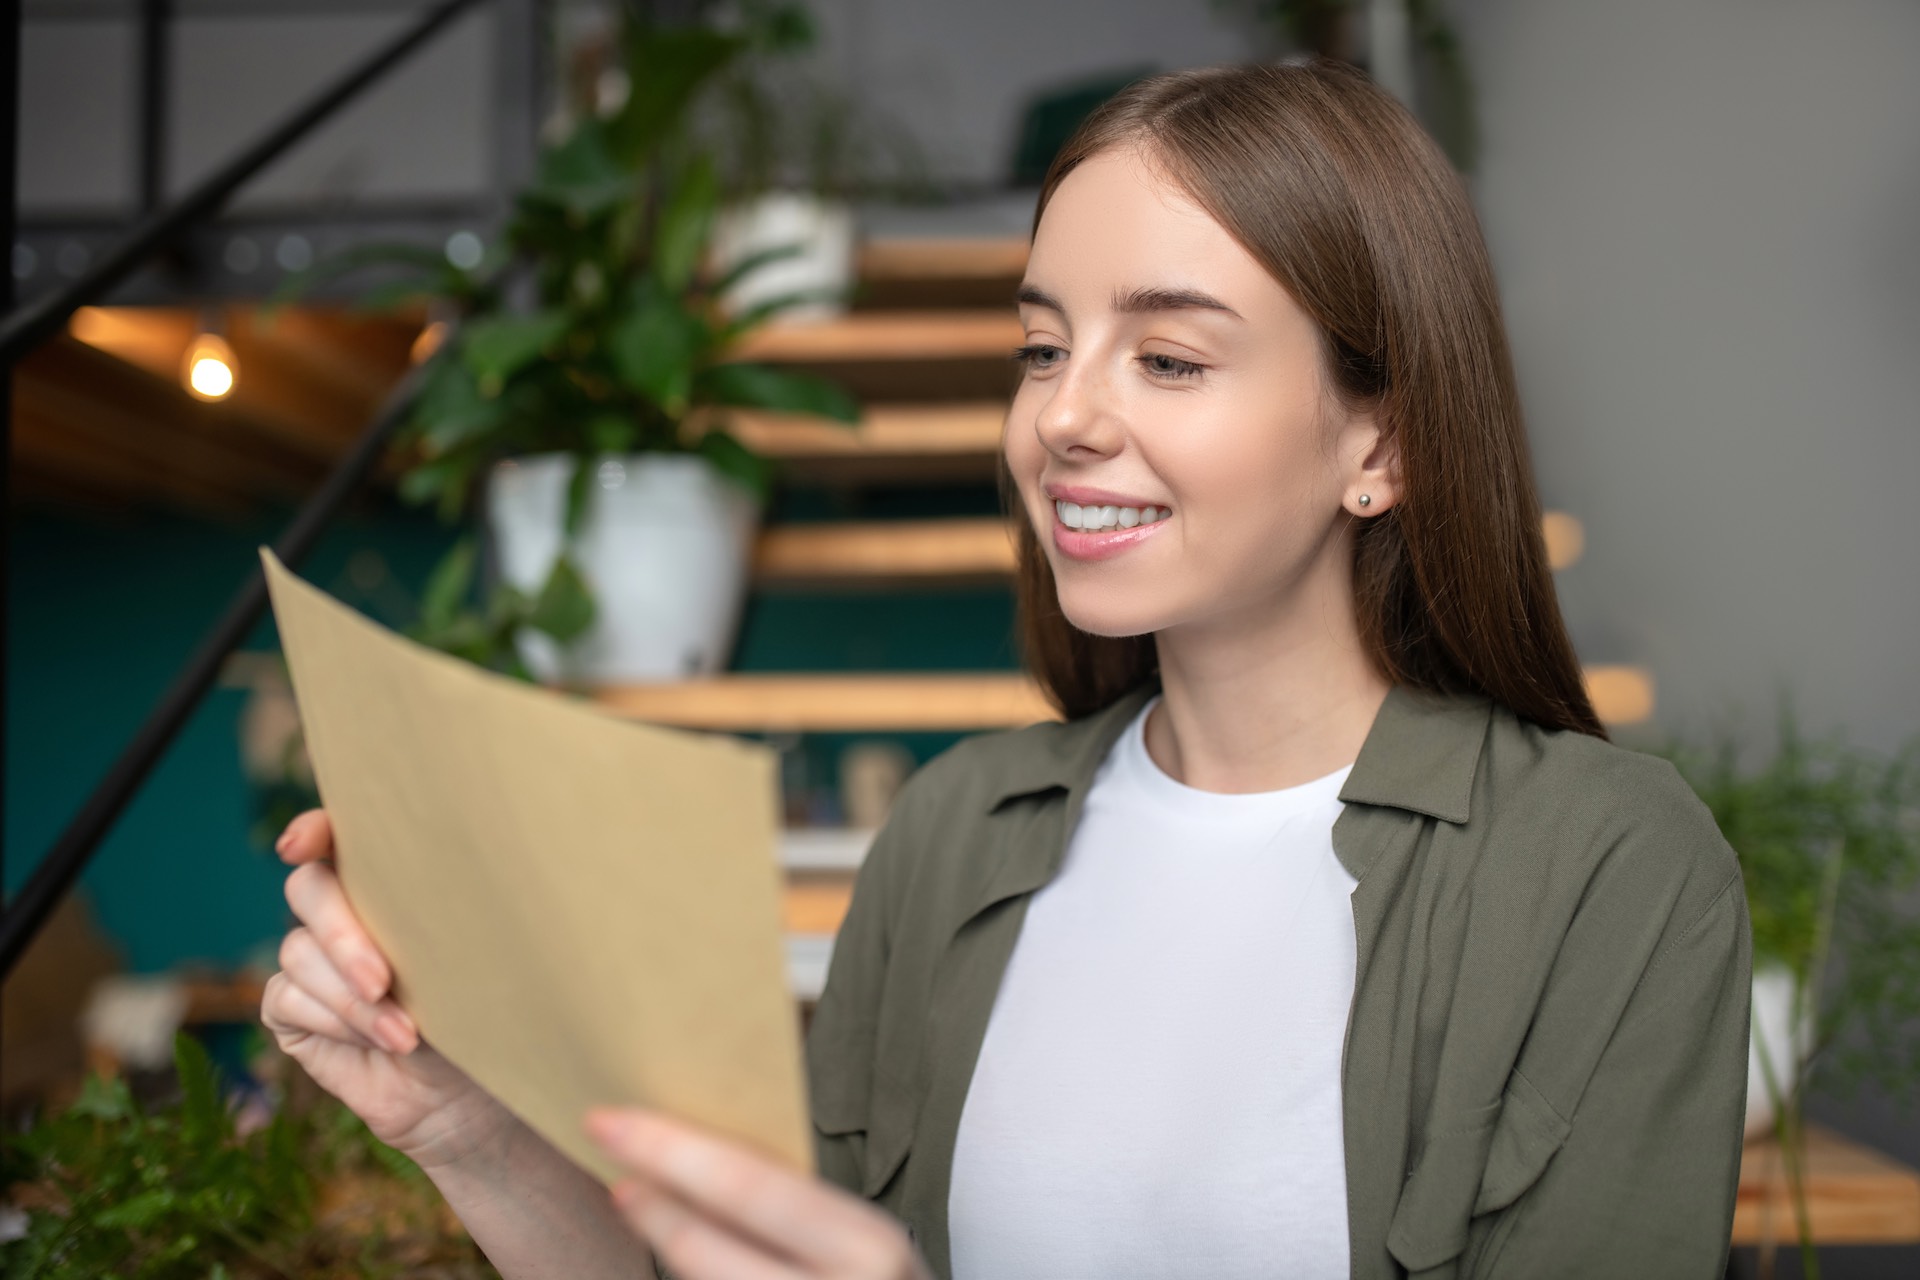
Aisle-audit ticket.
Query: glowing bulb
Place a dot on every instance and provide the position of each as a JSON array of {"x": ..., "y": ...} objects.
[{"x": 210, "y": 370}]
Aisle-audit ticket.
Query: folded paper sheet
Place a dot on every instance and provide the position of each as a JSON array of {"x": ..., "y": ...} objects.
[{"x": 580, "y": 910}]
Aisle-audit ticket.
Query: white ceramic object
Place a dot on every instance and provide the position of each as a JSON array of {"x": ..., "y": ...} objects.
[
  {"x": 665, "y": 548},
  {"x": 1772, "y": 1010},
  {"x": 824, "y": 227}
]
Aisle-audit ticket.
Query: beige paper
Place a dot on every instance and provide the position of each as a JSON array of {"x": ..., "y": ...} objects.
[{"x": 580, "y": 910}]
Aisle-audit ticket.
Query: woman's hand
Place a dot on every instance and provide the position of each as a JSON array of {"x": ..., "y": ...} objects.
[
  {"x": 329, "y": 1010},
  {"x": 714, "y": 1210}
]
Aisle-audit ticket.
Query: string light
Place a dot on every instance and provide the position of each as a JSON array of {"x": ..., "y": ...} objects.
[{"x": 209, "y": 370}]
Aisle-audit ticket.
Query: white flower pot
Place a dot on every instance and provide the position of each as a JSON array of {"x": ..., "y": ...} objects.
[
  {"x": 1772, "y": 1010},
  {"x": 665, "y": 549},
  {"x": 825, "y": 229}
]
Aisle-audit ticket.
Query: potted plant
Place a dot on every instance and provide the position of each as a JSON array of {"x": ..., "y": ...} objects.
[
  {"x": 1828, "y": 839},
  {"x": 583, "y": 396},
  {"x": 797, "y": 153}
]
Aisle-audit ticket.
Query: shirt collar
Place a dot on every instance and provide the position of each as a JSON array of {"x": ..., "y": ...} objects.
[{"x": 1420, "y": 754}]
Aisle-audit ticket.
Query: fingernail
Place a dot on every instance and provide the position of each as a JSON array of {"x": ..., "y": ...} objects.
[
  {"x": 286, "y": 838},
  {"x": 603, "y": 1125},
  {"x": 392, "y": 1031}
]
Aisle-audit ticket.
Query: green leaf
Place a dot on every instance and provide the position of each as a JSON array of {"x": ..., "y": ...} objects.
[
  {"x": 446, "y": 590},
  {"x": 579, "y": 493},
  {"x": 203, "y": 1114},
  {"x": 612, "y": 432},
  {"x": 655, "y": 346},
  {"x": 737, "y": 462},
  {"x": 136, "y": 1212},
  {"x": 761, "y": 312},
  {"x": 581, "y": 175},
  {"x": 686, "y": 222},
  {"x": 444, "y": 480},
  {"x": 759, "y": 258},
  {"x": 564, "y": 608},
  {"x": 103, "y": 1098},
  {"x": 498, "y": 347},
  {"x": 759, "y": 386},
  {"x": 451, "y": 411},
  {"x": 666, "y": 69}
]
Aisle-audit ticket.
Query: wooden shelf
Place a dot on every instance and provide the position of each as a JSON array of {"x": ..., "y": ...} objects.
[
  {"x": 886, "y": 552},
  {"x": 887, "y": 336},
  {"x": 884, "y": 430},
  {"x": 1855, "y": 1195},
  {"x": 942, "y": 258},
  {"x": 835, "y": 703}
]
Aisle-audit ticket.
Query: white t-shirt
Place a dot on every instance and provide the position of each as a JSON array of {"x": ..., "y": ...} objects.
[{"x": 1158, "y": 1093}]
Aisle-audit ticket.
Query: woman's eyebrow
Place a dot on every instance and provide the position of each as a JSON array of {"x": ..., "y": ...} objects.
[{"x": 1139, "y": 300}]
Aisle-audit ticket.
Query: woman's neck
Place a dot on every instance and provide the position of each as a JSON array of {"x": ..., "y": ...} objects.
[{"x": 1265, "y": 700}]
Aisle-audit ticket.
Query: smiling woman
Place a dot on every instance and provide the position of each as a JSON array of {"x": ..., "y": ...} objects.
[{"x": 1327, "y": 936}]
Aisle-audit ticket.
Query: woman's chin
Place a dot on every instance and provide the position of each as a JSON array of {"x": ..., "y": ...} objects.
[{"x": 1113, "y": 619}]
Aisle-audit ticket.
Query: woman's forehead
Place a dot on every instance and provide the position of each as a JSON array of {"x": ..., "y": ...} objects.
[{"x": 1118, "y": 227}]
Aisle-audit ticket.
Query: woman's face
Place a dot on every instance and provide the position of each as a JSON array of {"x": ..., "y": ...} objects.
[{"x": 1168, "y": 375}]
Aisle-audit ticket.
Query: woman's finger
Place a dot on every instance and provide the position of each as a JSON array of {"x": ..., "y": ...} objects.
[
  {"x": 314, "y": 893},
  {"x": 382, "y": 1023},
  {"x": 823, "y": 1228},
  {"x": 308, "y": 838},
  {"x": 287, "y": 1008},
  {"x": 693, "y": 1246}
]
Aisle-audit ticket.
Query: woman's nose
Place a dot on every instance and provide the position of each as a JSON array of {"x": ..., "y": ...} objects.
[{"x": 1078, "y": 419}]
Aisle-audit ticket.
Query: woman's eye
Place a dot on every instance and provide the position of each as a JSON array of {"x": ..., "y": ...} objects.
[
  {"x": 1161, "y": 365},
  {"x": 1037, "y": 356}
]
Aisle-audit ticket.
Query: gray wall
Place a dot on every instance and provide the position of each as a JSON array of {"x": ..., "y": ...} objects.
[
  {"x": 1704, "y": 216},
  {"x": 425, "y": 134}
]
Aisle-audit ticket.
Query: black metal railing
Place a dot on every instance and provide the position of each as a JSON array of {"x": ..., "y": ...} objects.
[{"x": 28, "y": 910}]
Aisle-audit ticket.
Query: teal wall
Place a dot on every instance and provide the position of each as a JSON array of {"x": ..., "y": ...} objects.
[{"x": 104, "y": 609}]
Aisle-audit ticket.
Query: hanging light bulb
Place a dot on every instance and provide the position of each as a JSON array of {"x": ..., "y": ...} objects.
[{"x": 209, "y": 369}]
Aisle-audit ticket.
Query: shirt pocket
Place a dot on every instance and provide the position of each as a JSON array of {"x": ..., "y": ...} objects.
[
  {"x": 864, "y": 1123},
  {"x": 1470, "y": 1165}
]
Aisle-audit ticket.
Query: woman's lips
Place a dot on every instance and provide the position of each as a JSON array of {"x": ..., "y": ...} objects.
[{"x": 1078, "y": 544}]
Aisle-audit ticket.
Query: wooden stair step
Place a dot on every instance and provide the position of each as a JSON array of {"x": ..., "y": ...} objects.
[
  {"x": 883, "y": 430},
  {"x": 942, "y": 258},
  {"x": 880, "y": 552},
  {"x": 1855, "y": 1195},
  {"x": 864, "y": 336},
  {"x": 803, "y": 703}
]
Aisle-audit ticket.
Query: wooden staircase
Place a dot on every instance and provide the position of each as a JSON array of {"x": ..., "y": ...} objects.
[{"x": 928, "y": 353}]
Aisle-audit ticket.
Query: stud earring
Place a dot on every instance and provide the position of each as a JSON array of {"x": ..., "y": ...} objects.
[{"x": 1366, "y": 500}]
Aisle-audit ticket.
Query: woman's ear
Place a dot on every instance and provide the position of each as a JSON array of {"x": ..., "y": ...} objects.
[{"x": 1371, "y": 457}]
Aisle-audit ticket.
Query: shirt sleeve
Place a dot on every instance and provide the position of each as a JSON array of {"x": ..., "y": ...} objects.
[
  {"x": 1646, "y": 1181},
  {"x": 841, "y": 1038}
]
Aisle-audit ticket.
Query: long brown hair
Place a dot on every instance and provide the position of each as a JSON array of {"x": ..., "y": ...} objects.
[{"x": 1335, "y": 188}]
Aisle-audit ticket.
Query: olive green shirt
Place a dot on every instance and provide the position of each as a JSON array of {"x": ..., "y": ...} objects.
[{"x": 1545, "y": 1065}]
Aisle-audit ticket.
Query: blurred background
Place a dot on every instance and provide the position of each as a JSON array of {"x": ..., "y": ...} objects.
[{"x": 1702, "y": 214}]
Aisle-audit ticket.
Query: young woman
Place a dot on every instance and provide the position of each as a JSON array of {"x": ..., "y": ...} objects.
[{"x": 1327, "y": 935}]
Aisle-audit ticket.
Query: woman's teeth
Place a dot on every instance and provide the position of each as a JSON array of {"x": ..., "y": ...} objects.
[{"x": 1094, "y": 519}]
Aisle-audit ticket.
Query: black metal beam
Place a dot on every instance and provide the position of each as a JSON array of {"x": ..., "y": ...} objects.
[
  {"x": 9, "y": 153},
  {"x": 39, "y": 321},
  {"x": 155, "y": 39},
  {"x": 64, "y": 862}
]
